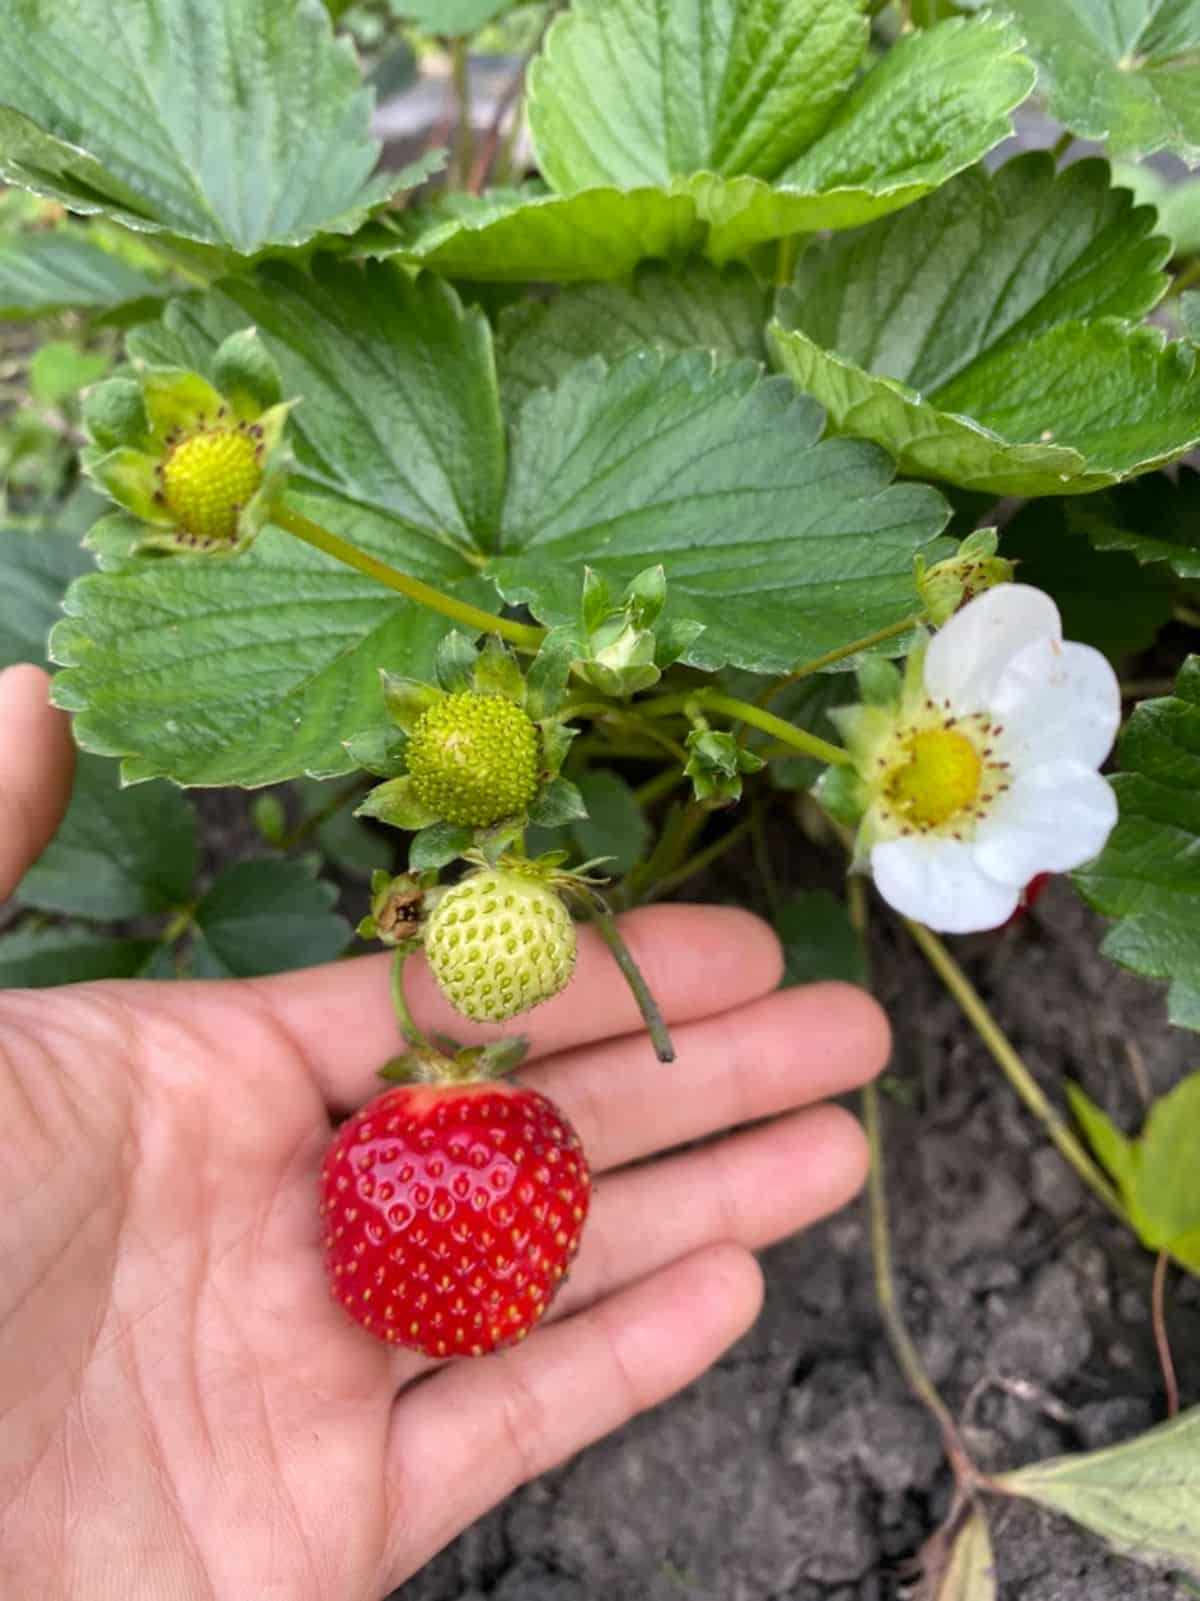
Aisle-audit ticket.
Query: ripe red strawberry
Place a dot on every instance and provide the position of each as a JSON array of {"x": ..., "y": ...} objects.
[{"x": 451, "y": 1214}]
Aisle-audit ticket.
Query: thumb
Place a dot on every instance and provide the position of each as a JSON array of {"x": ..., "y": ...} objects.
[{"x": 37, "y": 760}]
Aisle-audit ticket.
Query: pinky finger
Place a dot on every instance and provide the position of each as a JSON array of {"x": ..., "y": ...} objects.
[{"x": 478, "y": 1430}]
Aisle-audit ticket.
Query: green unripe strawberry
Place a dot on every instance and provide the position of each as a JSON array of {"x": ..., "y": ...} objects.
[
  {"x": 500, "y": 942},
  {"x": 208, "y": 477},
  {"x": 474, "y": 758}
]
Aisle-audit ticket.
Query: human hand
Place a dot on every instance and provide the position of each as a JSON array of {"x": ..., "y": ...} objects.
[{"x": 184, "y": 1411}]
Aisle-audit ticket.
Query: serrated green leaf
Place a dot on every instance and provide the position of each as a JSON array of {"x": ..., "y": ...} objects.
[
  {"x": 781, "y": 546},
  {"x": 698, "y": 306},
  {"x": 638, "y": 93},
  {"x": 1106, "y": 600},
  {"x": 517, "y": 236},
  {"x": 119, "y": 852},
  {"x": 615, "y": 825},
  {"x": 267, "y": 916},
  {"x": 1148, "y": 875},
  {"x": 983, "y": 336},
  {"x": 646, "y": 92},
  {"x": 35, "y": 569},
  {"x": 819, "y": 941},
  {"x": 254, "y": 670},
  {"x": 1126, "y": 74},
  {"x": 1176, "y": 201},
  {"x": 238, "y": 123},
  {"x": 1156, "y": 519},
  {"x": 41, "y": 958},
  {"x": 669, "y": 126},
  {"x": 42, "y": 273},
  {"x": 1142, "y": 1497}
]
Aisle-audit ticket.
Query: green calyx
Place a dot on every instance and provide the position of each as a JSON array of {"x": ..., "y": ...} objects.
[
  {"x": 196, "y": 463},
  {"x": 470, "y": 761},
  {"x": 474, "y": 759}
]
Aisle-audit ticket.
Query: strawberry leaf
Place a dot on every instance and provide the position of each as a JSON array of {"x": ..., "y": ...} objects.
[
  {"x": 267, "y": 916},
  {"x": 41, "y": 958},
  {"x": 1143, "y": 1497},
  {"x": 669, "y": 125},
  {"x": 698, "y": 306},
  {"x": 1020, "y": 370},
  {"x": 35, "y": 569},
  {"x": 781, "y": 545},
  {"x": 239, "y": 124},
  {"x": 1127, "y": 75},
  {"x": 118, "y": 853},
  {"x": 41, "y": 273},
  {"x": 1148, "y": 875},
  {"x": 1156, "y": 519}
]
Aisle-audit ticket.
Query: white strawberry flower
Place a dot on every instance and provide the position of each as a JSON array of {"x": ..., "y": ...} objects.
[{"x": 982, "y": 770}]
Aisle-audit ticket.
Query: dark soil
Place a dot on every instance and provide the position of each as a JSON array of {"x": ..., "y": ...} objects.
[{"x": 801, "y": 1469}]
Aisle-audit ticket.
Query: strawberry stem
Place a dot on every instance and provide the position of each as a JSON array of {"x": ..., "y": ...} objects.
[
  {"x": 524, "y": 636},
  {"x": 647, "y": 1005},
  {"x": 404, "y": 1017}
]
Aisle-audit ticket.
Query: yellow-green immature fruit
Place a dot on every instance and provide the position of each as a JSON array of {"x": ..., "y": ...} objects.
[
  {"x": 474, "y": 759},
  {"x": 499, "y": 943},
  {"x": 209, "y": 477}
]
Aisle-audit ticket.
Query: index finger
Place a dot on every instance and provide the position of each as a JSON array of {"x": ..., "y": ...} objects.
[{"x": 698, "y": 960}]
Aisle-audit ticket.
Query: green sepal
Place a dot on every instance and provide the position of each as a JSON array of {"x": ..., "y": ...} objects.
[
  {"x": 549, "y": 672},
  {"x": 437, "y": 844},
  {"x": 863, "y": 729},
  {"x": 715, "y": 765},
  {"x": 646, "y": 596},
  {"x": 596, "y": 601},
  {"x": 246, "y": 374},
  {"x": 380, "y": 750},
  {"x": 557, "y": 803},
  {"x": 455, "y": 663},
  {"x": 394, "y": 802},
  {"x": 127, "y": 476},
  {"x": 497, "y": 672},
  {"x": 114, "y": 413},
  {"x": 843, "y": 794},
  {"x": 674, "y": 638},
  {"x": 116, "y": 540},
  {"x": 491, "y": 843},
  {"x": 407, "y": 699},
  {"x": 177, "y": 399},
  {"x": 879, "y": 682},
  {"x": 556, "y": 742}
]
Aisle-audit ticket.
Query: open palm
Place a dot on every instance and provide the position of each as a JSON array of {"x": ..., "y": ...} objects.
[{"x": 184, "y": 1411}]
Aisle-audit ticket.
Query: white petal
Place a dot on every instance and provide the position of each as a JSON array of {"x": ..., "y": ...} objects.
[
  {"x": 1057, "y": 702},
  {"x": 967, "y": 656},
  {"x": 1054, "y": 817},
  {"x": 938, "y": 881}
]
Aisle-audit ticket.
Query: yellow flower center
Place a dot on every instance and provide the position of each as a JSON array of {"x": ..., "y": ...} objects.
[
  {"x": 941, "y": 776},
  {"x": 207, "y": 479}
]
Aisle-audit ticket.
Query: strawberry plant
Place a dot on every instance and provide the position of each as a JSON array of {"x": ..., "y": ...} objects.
[{"x": 729, "y": 431}]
